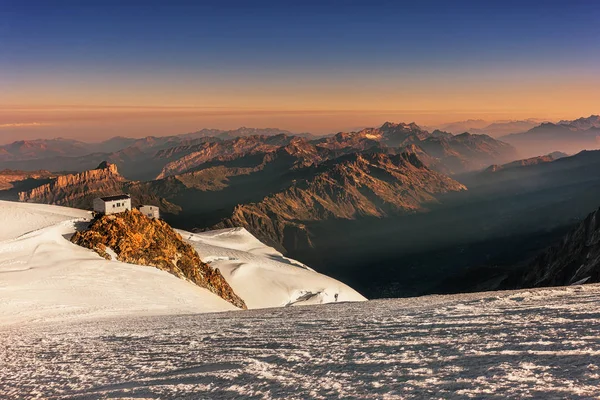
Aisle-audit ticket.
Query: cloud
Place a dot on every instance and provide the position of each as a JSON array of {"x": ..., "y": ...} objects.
[{"x": 23, "y": 125}]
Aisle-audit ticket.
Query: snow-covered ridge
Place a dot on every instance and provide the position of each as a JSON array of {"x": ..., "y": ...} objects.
[
  {"x": 261, "y": 275},
  {"x": 45, "y": 277}
]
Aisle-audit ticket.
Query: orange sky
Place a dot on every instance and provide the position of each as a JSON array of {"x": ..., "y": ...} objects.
[
  {"x": 138, "y": 105},
  {"x": 92, "y": 70}
]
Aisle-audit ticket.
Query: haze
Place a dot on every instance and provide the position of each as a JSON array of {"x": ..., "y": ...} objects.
[{"x": 92, "y": 71}]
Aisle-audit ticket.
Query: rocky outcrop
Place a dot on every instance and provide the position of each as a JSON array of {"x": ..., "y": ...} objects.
[
  {"x": 78, "y": 190},
  {"x": 576, "y": 259},
  {"x": 137, "y": 239}
]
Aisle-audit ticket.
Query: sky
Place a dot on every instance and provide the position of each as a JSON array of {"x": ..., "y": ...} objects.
[{"x": 95, "y": 69}]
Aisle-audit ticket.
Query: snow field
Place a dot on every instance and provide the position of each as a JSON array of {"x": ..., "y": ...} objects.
[
  {"x": 529, "y": 344},
  {"x": 44, "y": 277},
  {"x": 261, "y": 275}
]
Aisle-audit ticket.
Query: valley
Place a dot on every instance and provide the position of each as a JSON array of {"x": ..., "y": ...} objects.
[{"x": 419, "y": 212}]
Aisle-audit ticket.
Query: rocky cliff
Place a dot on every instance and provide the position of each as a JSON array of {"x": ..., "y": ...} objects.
[
  {"x": 576, "y": 259},
  {"x": 137, "y": 239},
  {"x": 77, "y": 190}
]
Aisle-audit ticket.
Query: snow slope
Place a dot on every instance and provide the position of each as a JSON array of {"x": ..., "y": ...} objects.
[
  {"x": 542, "y": 343},
  {"x": 261, "y": 275},
  {"x": 106, "y": 329},
  {"x": 18, "y": 219},
  {"x": 44, "y": 277}
]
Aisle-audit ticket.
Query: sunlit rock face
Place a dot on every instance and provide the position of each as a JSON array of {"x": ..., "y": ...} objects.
[{"x": 136, "y": 239}]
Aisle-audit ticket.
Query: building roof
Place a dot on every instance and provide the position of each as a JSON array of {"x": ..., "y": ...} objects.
[{"x": 117, "y": 197}]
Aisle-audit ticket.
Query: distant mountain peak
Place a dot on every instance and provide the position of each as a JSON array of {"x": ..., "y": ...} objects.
[
  {"x": 593, "y": 117},
  {"x": 104, "y": 165},
  {"x": 393, "y": 125},
  {"x": 109, "y": 167}
]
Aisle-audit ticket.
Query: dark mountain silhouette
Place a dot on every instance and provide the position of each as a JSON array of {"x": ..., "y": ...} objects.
[
  {"x": 528, "y": 161},
  {"x": 574, "y": 259}
]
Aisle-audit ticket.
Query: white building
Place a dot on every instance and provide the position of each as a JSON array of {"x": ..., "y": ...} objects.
[
  {"x": 150, "y": 211},
  {"x": 112, "y": 204}
]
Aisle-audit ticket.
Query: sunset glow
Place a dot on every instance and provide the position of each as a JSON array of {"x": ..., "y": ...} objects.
[{"x": 76, "y": 70}]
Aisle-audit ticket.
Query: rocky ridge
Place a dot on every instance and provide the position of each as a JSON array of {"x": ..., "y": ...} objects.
[
  {"x": 350, "y": 187},
  {"x": 446, "y": 153},
  {"x": 453, "y": 154},
  {"x": 137, "y": 239},
  {"x": 576, "y": 259},
  {"x": 186, "y": 158},
  {"x": 526, "y": 162},
  {"x": 75, "y": 189}
]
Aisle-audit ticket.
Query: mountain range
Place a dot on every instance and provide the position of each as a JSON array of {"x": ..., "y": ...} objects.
[
  {"x": 350, "y": 187},
  {"x": 158, "y": 157},
  {"x": 565, "y": 136},
  {"x": 426, "y": 211},
  {"x": 534, "y": 137},
  {"x": 494, "y": 129}
]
